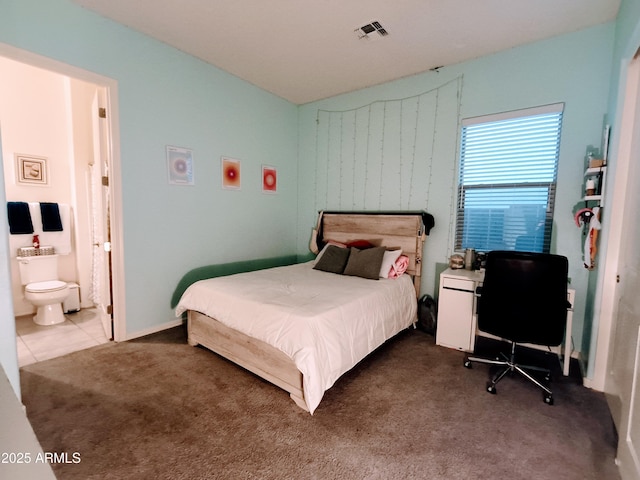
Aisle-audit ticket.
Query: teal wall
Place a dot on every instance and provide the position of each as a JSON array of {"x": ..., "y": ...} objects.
[
  {"x": 573, "y": 69},
  {"x": 169, "y": 98}
]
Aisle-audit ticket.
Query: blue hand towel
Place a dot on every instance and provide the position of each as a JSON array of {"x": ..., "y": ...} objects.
[
  {"x": 19, "y": 218},
  {"x": 50, "y": 217}
]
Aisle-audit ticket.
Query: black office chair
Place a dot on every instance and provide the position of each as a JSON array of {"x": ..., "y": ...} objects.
[{"x": 523, "y": 299}]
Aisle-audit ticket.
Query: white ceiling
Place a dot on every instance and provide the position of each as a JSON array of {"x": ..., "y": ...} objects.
[{"x": 304, "y": 50}]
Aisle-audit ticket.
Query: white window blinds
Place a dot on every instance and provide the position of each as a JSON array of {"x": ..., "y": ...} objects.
[{"x": 507, "y": 183}]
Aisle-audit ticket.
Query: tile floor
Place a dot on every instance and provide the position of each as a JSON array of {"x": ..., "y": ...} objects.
[{"x": 36, "y": 342}]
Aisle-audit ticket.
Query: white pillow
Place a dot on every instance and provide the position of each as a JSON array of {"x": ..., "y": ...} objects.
[
  {"x": 324, "y": 249},
  {"x": 389, "y": 259}
]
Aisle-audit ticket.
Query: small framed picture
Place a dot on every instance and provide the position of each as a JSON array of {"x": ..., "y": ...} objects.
[
  {"x": 230, "y": 173},
  {"x": 269, "y": 179},
  {"x": 31, "y": 170},
  {"x": 180, "y": 165}
]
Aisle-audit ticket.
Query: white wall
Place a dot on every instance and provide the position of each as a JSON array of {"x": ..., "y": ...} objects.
[{"x": 35, "y": 119}]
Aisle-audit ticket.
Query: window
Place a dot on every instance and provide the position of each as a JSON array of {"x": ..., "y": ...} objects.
[{"x": 507, "y": 183}]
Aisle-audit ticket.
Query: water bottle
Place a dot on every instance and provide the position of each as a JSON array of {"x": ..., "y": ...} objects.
[{"x": 469, "y": 258}]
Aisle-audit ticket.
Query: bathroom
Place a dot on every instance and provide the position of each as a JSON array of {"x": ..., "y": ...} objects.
[{"x": 47, "y": 118}]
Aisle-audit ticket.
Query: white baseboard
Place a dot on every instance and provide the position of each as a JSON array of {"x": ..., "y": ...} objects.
[
  {"x": 154, "y": 329},
  {"x": 586, "y": 381}
]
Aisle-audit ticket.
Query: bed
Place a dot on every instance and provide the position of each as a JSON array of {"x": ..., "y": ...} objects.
[{"x": 301, "y": 328}]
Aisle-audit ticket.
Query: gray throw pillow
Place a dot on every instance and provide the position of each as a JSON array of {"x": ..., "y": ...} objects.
[
  {"x": 365, "y": 263},
  {"x": 333, "y": 259}
]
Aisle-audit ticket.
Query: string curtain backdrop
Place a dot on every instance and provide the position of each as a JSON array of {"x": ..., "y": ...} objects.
[{"x": 386, "y": 155}]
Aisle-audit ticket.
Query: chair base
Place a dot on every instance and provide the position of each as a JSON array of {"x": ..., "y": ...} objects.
[{"x": 510, "y": 365}]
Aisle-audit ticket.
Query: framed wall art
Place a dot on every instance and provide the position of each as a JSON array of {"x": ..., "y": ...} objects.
[
  {"x": 180, "y": 165},
  {"x": 230, "y": 173},
  {"x": 31, "y": 170},
  {"x": 269, "y": 179}
]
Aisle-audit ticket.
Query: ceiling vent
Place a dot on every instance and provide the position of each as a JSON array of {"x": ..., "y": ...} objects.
[{"x": 371, "y": 31}]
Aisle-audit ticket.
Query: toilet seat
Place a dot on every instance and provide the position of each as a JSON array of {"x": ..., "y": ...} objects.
[{"x": 46, "y": 287}]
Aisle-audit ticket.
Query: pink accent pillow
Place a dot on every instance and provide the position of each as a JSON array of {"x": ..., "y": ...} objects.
[{"x": 399, "y": 267}]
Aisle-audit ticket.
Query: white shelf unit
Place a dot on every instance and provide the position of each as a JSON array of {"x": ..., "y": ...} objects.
[{"x": 600, "y": 172}]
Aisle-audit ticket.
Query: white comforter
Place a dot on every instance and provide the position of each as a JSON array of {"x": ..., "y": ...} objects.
[{"x": 325, "y": 322}]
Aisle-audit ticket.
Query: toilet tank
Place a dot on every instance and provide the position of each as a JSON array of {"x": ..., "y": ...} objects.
[{"x": 38, "y": 268}]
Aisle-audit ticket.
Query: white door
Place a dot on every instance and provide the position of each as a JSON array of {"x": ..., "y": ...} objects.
[
  {"x": 622, "y": 383},
  {"x": 101, "y": 293}
]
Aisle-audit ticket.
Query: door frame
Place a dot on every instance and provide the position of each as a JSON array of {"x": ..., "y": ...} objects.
[
  {"x": 621, "y": 383},
  {"x": 608, "y": 300},
  {"x": 113, "y": 148}
]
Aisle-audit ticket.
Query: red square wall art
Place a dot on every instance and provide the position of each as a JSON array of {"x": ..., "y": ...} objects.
[
  {"x": 269, "y": 179},
  {"x": 230, "y": 173}
]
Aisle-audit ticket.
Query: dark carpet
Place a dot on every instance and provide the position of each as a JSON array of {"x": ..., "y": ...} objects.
[{"x": 156, "y": 408}]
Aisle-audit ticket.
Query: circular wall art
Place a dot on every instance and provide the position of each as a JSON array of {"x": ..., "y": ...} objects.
[
  {"x": 230, "y": 173},
  {"x": 269, "y": 179},
  {"x": 180, "y": 165}
]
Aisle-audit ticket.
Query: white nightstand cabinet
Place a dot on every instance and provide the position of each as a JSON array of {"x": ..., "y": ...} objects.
[{"x": 456, "y": 309}]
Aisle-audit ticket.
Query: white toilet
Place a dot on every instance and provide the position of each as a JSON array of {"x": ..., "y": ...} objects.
[{"x": 39, "y": 275}]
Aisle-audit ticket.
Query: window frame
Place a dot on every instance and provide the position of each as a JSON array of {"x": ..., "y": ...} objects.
[{"x": 460, "y": 231}]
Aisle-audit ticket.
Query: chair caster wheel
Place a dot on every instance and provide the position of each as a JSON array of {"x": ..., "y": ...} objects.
[
  {"x": 467, "y": 363},
  {"x": 548, "y": 399},
  {"x": 491, "y": 388}
]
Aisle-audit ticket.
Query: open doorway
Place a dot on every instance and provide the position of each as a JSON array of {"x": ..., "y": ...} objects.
[{"x": 93, "y": 185}]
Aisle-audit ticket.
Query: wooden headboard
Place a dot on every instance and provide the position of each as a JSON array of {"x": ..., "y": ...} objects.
[{"x": 404, "y": 230}]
